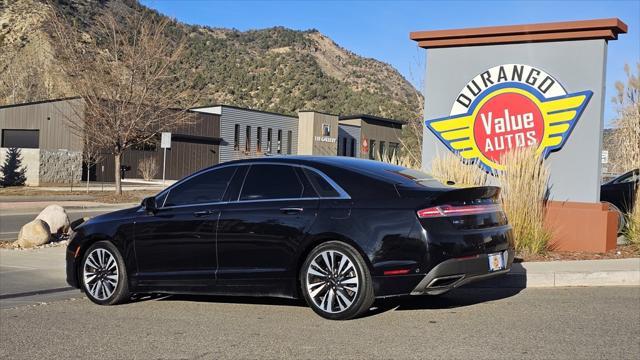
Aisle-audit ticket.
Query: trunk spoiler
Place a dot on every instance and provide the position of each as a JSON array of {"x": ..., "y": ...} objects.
[{"x": 439, "y": 196}]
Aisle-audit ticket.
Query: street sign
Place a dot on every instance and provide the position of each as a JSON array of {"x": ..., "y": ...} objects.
[
  {"x": 165, "y": 141},
  {"x": 605, "y": 156}
]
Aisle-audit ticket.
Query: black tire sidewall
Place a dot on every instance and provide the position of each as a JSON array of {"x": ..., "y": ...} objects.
[
  {"x": 364, "y": 298},
  {"x": 121, "y": 292}
]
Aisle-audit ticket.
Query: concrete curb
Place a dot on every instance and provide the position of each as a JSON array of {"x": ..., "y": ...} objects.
[
  {"x": 564, "y": 279},
  {"x": 619, "y": 272}
]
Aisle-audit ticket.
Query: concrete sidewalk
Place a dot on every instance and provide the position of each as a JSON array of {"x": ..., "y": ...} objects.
[
  {"x": 24, "y": 207},
  {"x": 33, "y": 276}
]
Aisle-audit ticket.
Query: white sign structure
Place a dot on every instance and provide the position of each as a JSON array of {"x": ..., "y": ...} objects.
[
  {"x": 605, "y": 156},
  {"x": 165, "y": 140},
  {"x": 165, "y": 143}
]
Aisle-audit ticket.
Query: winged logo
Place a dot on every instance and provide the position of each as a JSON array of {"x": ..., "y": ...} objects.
[{"x": 508, "y": 115}]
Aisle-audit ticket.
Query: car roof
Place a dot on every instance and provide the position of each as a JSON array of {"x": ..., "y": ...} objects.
[{"x": 389, "y": 173}]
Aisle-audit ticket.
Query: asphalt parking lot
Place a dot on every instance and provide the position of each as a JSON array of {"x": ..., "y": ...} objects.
[{"x": 569, "y": 323}]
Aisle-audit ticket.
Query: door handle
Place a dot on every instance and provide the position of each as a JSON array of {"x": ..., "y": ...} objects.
[
  {"x": 291, "y": 210},
  {"x": 202, "y": 213}
]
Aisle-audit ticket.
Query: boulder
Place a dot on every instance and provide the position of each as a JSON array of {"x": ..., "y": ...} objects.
[
  {"x": 56, "y": 217},
  {"x": 34, "y": 233}
]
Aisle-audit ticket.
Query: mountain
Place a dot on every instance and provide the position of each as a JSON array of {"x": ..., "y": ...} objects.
[{"x": 276, "y": 69}]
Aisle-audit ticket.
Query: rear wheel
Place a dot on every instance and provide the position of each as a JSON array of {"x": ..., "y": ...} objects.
[
  {"x": 103, "y": 274},
  {"x": 336, "y": 282}
]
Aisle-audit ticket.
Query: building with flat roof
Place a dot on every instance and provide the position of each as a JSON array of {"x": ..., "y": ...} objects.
[{"x": 53, "y": 150}]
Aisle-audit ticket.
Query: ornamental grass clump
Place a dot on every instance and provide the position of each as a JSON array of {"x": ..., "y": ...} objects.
[
  {"x": 632, "y": 232},
  {"x": 451, "y": 169},
  {"x": 524, "y": 196}
]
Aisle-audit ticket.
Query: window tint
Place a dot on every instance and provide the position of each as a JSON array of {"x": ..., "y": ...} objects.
[
  {"x": 271, "y": 182},
  {"x": 279, "y": 141},
  {"x": 20, "y": 138},
  {"x": 236, "y": 138},
  {"x": 320, "y": 184},
  {"x": 203, "y": 188},
  {"x": 247, "y": 143},
  {"x": 259, "y": 139}
]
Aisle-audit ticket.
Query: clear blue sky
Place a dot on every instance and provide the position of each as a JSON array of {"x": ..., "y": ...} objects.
[{"x": 380, "y": 29}]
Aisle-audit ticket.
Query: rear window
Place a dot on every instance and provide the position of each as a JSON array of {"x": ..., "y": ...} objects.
[
  {"x": 322, "y": 186},
  {"x": 419, "y": 177}
]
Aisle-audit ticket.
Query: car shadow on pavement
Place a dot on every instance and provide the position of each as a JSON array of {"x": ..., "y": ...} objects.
[
  {"x": 469, "y": 295},
  {"x": 472, "y": 294},
  {"x": 225, "y": 299}
]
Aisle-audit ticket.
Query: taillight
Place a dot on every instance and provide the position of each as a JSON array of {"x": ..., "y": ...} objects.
[{"x": 449, "y": 210}]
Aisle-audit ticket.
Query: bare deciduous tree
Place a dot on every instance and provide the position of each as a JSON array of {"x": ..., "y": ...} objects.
[
  {"x": 627, "y": 132},
  {"x": 123, "y": 67}
]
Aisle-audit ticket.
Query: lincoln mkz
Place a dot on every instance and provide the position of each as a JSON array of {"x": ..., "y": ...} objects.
[{"x": 336, "y": 231}]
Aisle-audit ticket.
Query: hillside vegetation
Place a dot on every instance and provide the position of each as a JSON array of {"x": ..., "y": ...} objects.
[{"x": 274, "y": 69}]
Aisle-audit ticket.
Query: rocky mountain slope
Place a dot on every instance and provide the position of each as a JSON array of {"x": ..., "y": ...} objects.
[{"x": 274, "y": 69}]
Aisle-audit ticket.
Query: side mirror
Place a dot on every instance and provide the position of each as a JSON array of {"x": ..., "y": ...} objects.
[{"x": 149, "y": 204}]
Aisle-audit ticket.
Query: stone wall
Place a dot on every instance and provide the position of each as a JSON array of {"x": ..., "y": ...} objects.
[
  {"x": 60, "y": 166},
  {"x": 30, "y": 160}
]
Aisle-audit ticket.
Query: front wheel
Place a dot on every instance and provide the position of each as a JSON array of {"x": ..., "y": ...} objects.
[
  {"x": 103, "y": 274},
  {"x": 336, "y": 282}
]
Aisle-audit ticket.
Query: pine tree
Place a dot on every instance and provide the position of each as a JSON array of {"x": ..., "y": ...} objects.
[{"x": 13, "y": 173}]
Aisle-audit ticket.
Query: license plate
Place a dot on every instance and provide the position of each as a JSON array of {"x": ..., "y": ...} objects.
[{"x": 496, "y": 262}]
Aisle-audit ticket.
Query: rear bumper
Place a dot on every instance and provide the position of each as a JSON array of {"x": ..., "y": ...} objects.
[{"x": 454, "y": 273}]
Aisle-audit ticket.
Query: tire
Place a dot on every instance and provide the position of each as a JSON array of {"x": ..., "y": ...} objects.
[
  {"x": 341, "y": 294},
  {"x": 103, "y": 275}
]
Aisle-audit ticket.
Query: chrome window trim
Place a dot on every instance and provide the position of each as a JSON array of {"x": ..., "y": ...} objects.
[{"x": 343, "y": 195}]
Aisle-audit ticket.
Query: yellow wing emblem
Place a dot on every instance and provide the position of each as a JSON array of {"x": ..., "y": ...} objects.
[{"x": 560, "y": 116}]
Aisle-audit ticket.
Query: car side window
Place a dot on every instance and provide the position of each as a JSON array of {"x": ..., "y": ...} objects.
[
  {"x": 203, "y": 188},
  {"x": 627, "y": 178},
  {"x": 322, "y": 186},
  {"x": 266, "y": 181}
]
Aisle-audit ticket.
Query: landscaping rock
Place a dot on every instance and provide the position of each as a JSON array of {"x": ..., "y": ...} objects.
[
  {"x": 56, "y": 217},
  {"x": 32, "y": 234}
]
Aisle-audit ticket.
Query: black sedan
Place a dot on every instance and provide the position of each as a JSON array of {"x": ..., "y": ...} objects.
[
  {"x": 338, "y": 232},
  {"x": 621, "y": 190}
]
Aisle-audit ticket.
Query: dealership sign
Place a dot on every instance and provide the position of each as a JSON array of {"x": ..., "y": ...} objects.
[{"x": 506, "y": 107}]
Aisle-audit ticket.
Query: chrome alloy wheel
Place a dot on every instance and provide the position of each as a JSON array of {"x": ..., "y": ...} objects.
[
  {"x": 332, "y": 281},
  {"x": 100, "y": 273}
]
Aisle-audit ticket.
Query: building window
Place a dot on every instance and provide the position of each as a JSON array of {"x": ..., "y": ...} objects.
[
  {"x": 259, "y": 140},
  {"x": 12, "y": 138},
  {"x": 383, "y": 151},
  {"x": 344, "y": 147},
  {"x": 353, "y": 147},
  {"x": 269, "y": 138},
  {"x": 236, "y": 138},
  {"x": 247, "y": 143},
  {"x": 326, "y": 130},
  {"x": 372, "y": 149},
  {"x": 289, "y": 141},
  {"x": 279, "y": 141},
  {"x": 393, "y": 150}
]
